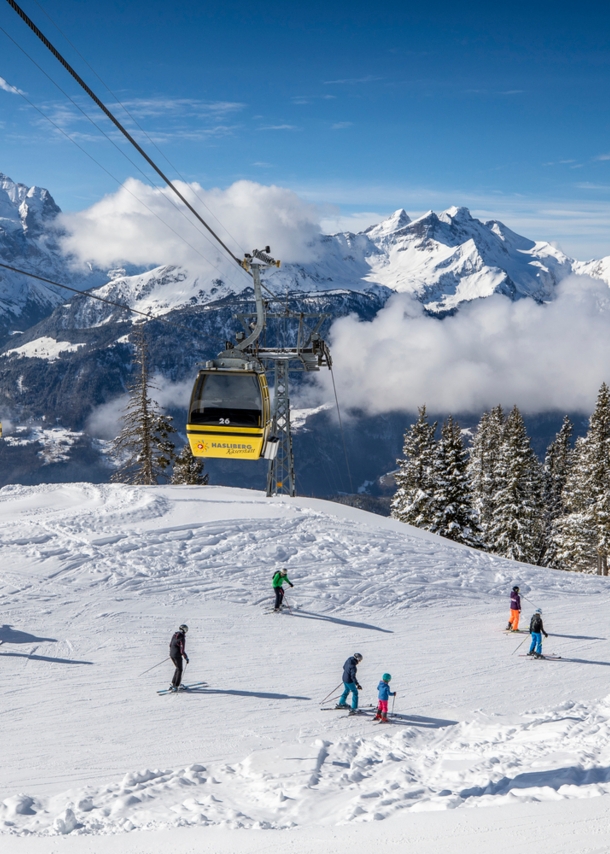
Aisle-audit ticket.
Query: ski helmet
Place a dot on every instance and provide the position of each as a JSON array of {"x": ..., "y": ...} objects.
[
  {"x": 357, "y": 656},
  {"x": 283, "y": 571},
  {"x": 183, "y": 628},
  {"x": 539, "y": 610},
  {"x": 387, "y": 677},
  {"x": 516, "y": 588}
]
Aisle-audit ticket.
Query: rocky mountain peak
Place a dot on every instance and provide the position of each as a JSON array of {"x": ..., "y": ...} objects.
[{"x": 399, "y": 219}]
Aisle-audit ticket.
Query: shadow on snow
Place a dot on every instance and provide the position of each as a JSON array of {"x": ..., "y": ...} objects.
[
  {"x": 42, "y": 658},
  {"x": 11, "y": 635},
  {"x": 263, "y": 695},
  {"x": 311, "y": 615}
]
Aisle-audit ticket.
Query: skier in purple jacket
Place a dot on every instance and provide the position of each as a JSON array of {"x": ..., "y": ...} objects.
[{"x": 515, "y": 610}]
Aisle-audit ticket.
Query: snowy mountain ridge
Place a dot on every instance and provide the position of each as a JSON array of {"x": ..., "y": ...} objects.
[{"x": 444, "y": 260}]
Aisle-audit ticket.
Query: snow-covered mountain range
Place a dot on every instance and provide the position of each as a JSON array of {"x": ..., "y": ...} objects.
[
  {"x": 443, "y": 259},
  {"x": 62, "y": 357}
]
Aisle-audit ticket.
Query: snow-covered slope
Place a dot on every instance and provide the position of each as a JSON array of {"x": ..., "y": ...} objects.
[{"x": 94, "y": 579}]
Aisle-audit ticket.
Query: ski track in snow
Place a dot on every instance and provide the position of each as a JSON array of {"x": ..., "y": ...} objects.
[{"x": 104, "y": 564}]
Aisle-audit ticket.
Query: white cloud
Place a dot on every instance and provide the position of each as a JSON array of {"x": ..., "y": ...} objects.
[
  {"x": 350, "y": 81},
  {"x": 6, "y": 87},
  {"x": 540, "y": 357},
  {"x": 131, "y": 225},
  {"x": 341, "y": 125},
  {"x": 105, "y": 421},
  {"x": 350, "y": 222}
]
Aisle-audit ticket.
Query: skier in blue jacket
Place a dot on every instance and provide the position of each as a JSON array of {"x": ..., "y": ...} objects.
[
  {"x": 384, "y": 693},
  {"x": 350, "y": 683}
]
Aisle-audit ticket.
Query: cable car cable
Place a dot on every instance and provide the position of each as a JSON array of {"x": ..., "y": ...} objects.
[
  {"x": 341, "y": 428},
  {"x": 113, "y": 143},
  {"x": 117, "y": 180},
  {"x": 135, "y": 121},
  {"x": 117, "y": 123},
  {"x": 88, "y": 294}
]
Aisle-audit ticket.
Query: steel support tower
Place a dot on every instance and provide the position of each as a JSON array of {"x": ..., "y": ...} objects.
[{"x": 280, "y": 474}]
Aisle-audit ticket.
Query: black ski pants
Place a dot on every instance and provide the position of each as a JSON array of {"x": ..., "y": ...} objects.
[
  {"x": 177, "y": 659},
  {"x": 279, "y": 597}
]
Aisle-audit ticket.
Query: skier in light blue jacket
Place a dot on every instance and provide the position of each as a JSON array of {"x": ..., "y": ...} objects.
[{"x": 384, "y": 693}]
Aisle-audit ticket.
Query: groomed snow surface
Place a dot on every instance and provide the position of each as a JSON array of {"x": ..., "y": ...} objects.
[{"x": 95, "y": 579}]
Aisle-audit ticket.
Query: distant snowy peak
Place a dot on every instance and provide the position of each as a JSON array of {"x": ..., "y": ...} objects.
[
  {"x": 27, "y": 208},
  {"x": 449, "y": 258},
  {"x": 596, "y": 269},
  {"x": 388, "y": 226}
]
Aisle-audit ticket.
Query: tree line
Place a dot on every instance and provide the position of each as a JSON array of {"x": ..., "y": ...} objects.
[
  {"x": 145, "y": 450},
  {"x": 496, "y": 495}
]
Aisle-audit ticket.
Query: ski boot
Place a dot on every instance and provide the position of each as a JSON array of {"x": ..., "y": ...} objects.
[
  {"x": 378, "y": 715},
  {"x": 354, "y": 711},
  {"x": 384, "y": 718},
  {"x": 341, "y": 706}
]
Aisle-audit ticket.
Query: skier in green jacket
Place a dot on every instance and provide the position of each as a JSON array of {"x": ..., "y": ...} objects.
[{"x": 279, "y": 578}]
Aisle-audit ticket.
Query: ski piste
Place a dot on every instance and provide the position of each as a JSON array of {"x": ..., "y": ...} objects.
[{"x": 183, "y": 688}]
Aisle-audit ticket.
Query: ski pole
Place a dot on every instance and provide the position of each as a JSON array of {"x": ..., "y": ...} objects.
[
  {"x": 331, "y": 692},
  {"x": 530, "y": 601},
  {"x": 520, "y": 645},
  {"x": 154, "y": 665},
  {"x": 393, "y": 701}
]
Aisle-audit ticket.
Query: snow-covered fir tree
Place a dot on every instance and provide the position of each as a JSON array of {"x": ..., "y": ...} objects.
[
  {"x": 452, "y": 511},
  {"x": 143, "y": 449},
  {"x": 515, "y": 531},
  {"x": 412, "y": 502},
  {"x": 582, "y": 536},
  {"x": 483, "y": 469},
  {"x": 188, "y": 469},
  {"x": 555, "y": 472}
]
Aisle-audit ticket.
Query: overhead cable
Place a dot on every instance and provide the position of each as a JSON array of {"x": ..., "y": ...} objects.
[
  {"x": 116, "y": 123},
  {"x": 107, "y": 171},
  {"x": 88, "y": 294},
  {"x": 136, "y": 122}
]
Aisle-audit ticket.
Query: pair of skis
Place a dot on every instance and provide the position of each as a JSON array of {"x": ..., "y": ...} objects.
[
  {"x": 183, "y": 689},
  {"x": 360, "y": 711}
]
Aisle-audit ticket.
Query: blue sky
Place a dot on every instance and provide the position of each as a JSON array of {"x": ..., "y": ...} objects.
[{"x": 358, "y": 107}]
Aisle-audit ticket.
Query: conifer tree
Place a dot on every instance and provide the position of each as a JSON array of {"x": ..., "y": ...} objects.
[
  {"x": 483, "y": 469},
  {"x": 412, "y": 502},
  {"x": 555, "y": 473},
  {"x": 516, "y": 528},
  {"x": 188, "y": 469},
  {"x": 143, "y": 449},
  {"x": 453, "y": 515},
  {"x": 582, "y": 538}
]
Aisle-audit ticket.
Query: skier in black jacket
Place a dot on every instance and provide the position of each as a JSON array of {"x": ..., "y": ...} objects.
[
  {"x": 350, "y": 682},
  {"x": 177, "y": 653},
  {"x": 537, "y": 630}
]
